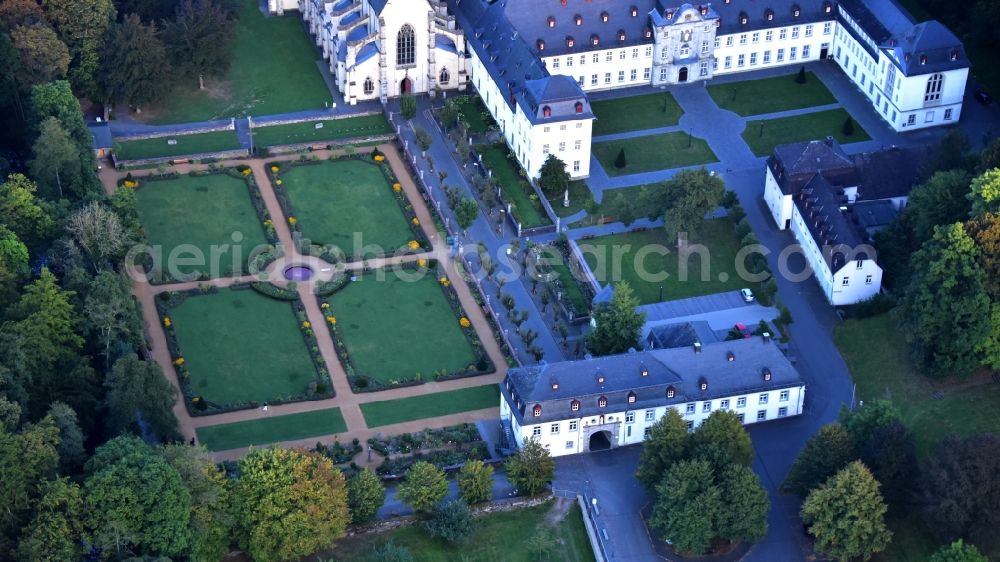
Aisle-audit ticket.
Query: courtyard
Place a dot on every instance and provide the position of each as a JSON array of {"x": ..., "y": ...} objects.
[
  {"x": 205, "y": 214},
  {"x": 346, "y": 203},
  {"x": 240, "y": 347},
  {"x": 635, "y": 113},
  {"x": 643, "y": 269},
  {"x": 770, "y": 95},
  {"x": 763, "y": 135},
  {"x": 653, "y": 152}
]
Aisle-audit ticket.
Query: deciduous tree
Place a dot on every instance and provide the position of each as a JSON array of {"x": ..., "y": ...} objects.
[
  {"x": 451, "y": 521},
  {"x": 475, "y": 482},
  {"x": 985, "y": 195},
  {"x": 198, "y": 39},
  {"x": 13, "y": 265},
  {"x": 424, "y": 487},
  {"x": 667, "y": 443},
  {"x": 862, "y": 422},
  {"x": 958, "y": 551},
  {"x": 110, "y": 314},
  {"x": 82, "y": 25},
  {"x": 140, "y": 395},
  {"x": 289, "y": 503},
  {"x": 56, "y": 162},
  {"x": 697, "y": 193},
  {"x": 46, "y": 322},
  {"x": 530, "y": 469},
  {"x": 846, "y": 515},
  {"x": 618, "y": 324},
  {"x": 72, "y": 453},
  {"x": 28, "y": 458},
  {"x": 99, "y": 233},
  {"x": 365, "y": 495},
  {"x": 20, "y": 12},
  {"x": 56, "y": 528},
  {"x": 43, "y": 56},
  {"x": 961, "y": 487},
  {"x": 466, "y": 212},
  {"x": 744, "y": 515},
  {"x": 891, "y": 454},
  {"x": 211, "y": 524},
  {"x": 825, "y": 454},
  {"x": 687, "y": 505},
  {"x": 942, "y": 199},
  {"x": 723, "y": 429},
  {"x": 134, "y": 65}
]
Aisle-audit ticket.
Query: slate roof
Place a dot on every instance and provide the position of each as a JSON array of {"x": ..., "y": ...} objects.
[
  {"x": 889, "y": 173},
  {"x": 680, "y": 368},
  {"x": 927, "y": 48},
  {"x": 445, "y": 43},
  {"x": 366, "y": 52},
  {"x": 873, "y": 214},
  {"x": 684, "y": 334},
  {"x": 101, "y": 133},
  {"x": 378, "y": 5},
  {"x": 795, "y": 164}
]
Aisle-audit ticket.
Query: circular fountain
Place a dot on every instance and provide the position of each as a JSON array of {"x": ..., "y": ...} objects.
[{"x": 299, "y": 273}]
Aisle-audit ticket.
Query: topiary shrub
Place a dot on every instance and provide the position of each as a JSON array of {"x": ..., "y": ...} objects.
[
  {"x": 620, "y": 159},
  {"x": 800, "y": 78},
  {"x": 848, "y": 128}
]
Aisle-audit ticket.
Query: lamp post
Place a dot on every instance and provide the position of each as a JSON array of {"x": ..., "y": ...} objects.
[{"x": 690, "y": 131}]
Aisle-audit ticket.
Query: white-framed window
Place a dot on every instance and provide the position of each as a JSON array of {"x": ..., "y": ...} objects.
[
  {"x": 583, "y": 59},
  {"x": 724, "y": 404},
  {"x": 689, "y": 408},
  {"x": 633, "y": 75},
  {"x": 846, "y": 281},
  {"x": 783, "y": 396},
  {"x": 706, "y": 406},
  {"x": 545, "y": 147},
  {"x": 648, "y": 52},
  {"x": 562, "y": 127},
  {"x": 569, "y": 61},
  {"x": 755, "y": 38},
  {"x": 768, "y": 35},
  {"x": 782, "y": 412},
  {"x": 859, "y": 264},
  {"x": 569, "y": 444},
  {"x": 868, "y": 278},
  {"x": 741, "y": 402},
  {"x": 703, "y": 69},
  {"x": 947, "y": 114},
  {"x": 577, "y": 144},
  {"x": 635, "y": 53},
  {"x": 718, "y": 42},
  {"x": 650, "y": 415},
  {"x": 740, "y": 417},
  {"x": 621, "y": 54},
  {"x": 607, "y": 56},
  {"x": 593, "y": 79},
  {"x": 562, "y": 147},
  {"x": 629, "y": 417},
  {"x": 782, "y": 34},
  {"x": 646, "y": 432},
  {"x": 753, "y": 59},
  {"x": 805, "y": 51},
  {"x": 743, "y": 38},
  {"x": 826, "y": 28},
  {"x": 597, "y": 58},
  {"x": 704, "y": 47},
  {"x": 607, "y": 77},
  {"x": 767, "y": 57},
  {"x": 445, "y": 76},
  {"x": 573, "y": 424},
  {"x": 555, "y": 63},
  {"x": 809, "y": 30},
  {"x": 729, "y": 41},
  {"x": 715, "y": 63},
  {"x": 761, "y": 415},
  {"x": 729, "y": 62},
  {"x": 576, "y": 165},
  {"x": 741, "y": 60},
  {"x": 795, "y": 32},
  {"x": 536, "y": 431},
  {"x": 932, "y": 92},
  {"x": 621, "y": 75},
  {"x": 663, "y": 73},
  {"x": 792, "y": 53},
  {"x": 781, "y": 55},
  {"x": 369, "y": 86},
  {"x": 762, "y": 399},
  {"x": 579, "y": 125},
  {"x": 690, "y": 425},
  {"x": 554, "y": 429},
  {"x": 645, "y": 73},
  {"x": 406, "y": 46}
]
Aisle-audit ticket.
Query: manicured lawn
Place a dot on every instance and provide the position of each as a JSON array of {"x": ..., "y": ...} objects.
[
  {"x": 499, "y": 536},
  {"x": 332, "y": 129},
  {"x": 196, "y": 214},
  {"x": 515, "y": 189},
  {"x": 272, "y": 70},
  {"x": 800, "y": 128},
  {"x": 388, "y": 412},
  {"x": 635, "y": 113},
  {"x": 875, "y": 352},
  {"x": 769, "y": 95},
  {"x": 716, "y": 235},
  {"x": 241, "y": 346},
  {"x": 579, "y": 195},
  {"x": 572, "y": 290},
  {"x": 274, "y": 429},
  {"x": 186, "y": 145},
  {"x": 471, "y": 108},
  {"x": 335, "y": 199},
  {"x": 395, "y": 328},
  {"x": 654, "y": 152}
]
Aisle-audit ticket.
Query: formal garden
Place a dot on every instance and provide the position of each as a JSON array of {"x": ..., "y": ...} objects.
[
  {"x": 401, "y": 327},
  {"x": 176, "y": 145},
  {"x": 515, "y": 189},
  {"x": 236, "y": 348},
  {"x": 331, "y": 202},
  {"x": 763, "y": 135},
  {"x": 653, "y": 152},
  {"x": 717, "y": 235},
  {"x": 635, "y": 113},
  {"x": 272, "y": 70},
  {"x": 272, "y": 429},
  {"x": 214, "y": 213},
  {"x": 400, "y": 410},
  {"x": 325, "y": 130},
  {"x": 771, "y": 95},
  {"x": 445, "y": 448}
]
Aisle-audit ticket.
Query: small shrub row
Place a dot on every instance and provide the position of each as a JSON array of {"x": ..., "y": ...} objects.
[
  {"x": 329, "y": 288},
  {"x": 274, "y": 291},
  {"x": 443, "y": 459},
  {"x": 338, "y": 453},
  {"x": 427, "y": 439}
]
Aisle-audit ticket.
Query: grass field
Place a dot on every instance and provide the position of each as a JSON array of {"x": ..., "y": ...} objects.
[
  {"x": 716, "y": 235},
  {"x": 332, "y": 129},
  {"x": 635, "y": 113},
  {"x": 654, "y": 152},
  {"x": 799, "y": 128},
  {"x": 579, "y": 195},
  {"x": 499, "y": 536},
  {"x": 241, "y": 346},
  {"x": 875, "y": 352},
  {"x": 186, "y": 145},
  {"x": 273, "y": 429},
  {"x": 197, "y": 213},
  {"x": 334, "y": 199},
  {"x": 472, "y": 109},
  {"x": 770, "y": 95},
  {"x": 515, "y": 189},
  {"x": 395, "y": 328},
  {"x": 272, "y": 70},
  {"x": 388, "y": 412}
]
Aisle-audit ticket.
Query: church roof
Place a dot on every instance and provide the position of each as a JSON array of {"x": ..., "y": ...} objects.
[
  {"x": 369, "y": 50},
  {"x": 378, "y": 5}
]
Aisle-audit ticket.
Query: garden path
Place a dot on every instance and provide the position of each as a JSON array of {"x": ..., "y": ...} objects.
[{"x": 345, "y": 399}]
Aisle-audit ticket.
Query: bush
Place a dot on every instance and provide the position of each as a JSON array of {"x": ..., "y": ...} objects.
[
  {"x": 408, "y": 107},
  {"x": 274, "y": 291},
  {"x": 452, "y": 521},
  {"x": 390, "y": 552},
  {"x": 800, "y": 78},
  {"x": 620, "y": 161},
  {"x": 848, "y": 128},
  {"x": 879, "y": 304}
]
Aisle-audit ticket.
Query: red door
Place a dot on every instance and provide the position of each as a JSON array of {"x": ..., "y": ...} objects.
[{"x": 405, "y": 86}]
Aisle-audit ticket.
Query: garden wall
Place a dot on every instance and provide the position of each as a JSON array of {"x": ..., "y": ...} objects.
[{"x": 203, "y": 157}]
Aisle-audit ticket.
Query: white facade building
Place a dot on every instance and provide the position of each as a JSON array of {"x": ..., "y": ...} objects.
[
  {"x": 832, "y": 202},
  {"x": 592, "y": 404}
]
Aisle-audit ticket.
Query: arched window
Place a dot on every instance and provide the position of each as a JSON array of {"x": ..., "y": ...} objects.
[
  {"x": 369, "y": 86},
  {"x": 579, "y": 109},
  {"x": 934, "y": 85},
  {"x": 405, "y": 46},
  {"x": 445, "y": 76}
]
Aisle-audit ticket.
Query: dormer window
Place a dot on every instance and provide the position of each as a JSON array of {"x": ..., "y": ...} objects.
[
  {"x": 621, "y": 34},
  {"x": 570, "y": 42},
  {"x": 537, "y": 410},
  {"x": 954, "y": 54},
  {"x": 644, "y": 371},
  {"x": 923, "y": 59},
  {"x": 796, "y": 12},
  {"x": 669, "y": 14},
  {"x": 555, "y": 385},
  {"x": 604, "y": 17},
  {"x": 634, "y": 11},
  {"x": 546, "y": 111},
  {"x": 600, "y": 379},
  {"x": 703, "y": 383},
  {"x": 767, "y": 374},
  {"x": 671, "y": 391},
  {"x": 602, "y": 402},
  {"x": 551, "y": 21},
  {"x": 595, "y": 40},
  {"x": 563, "y": 2},
  {"x": 769, "y": 14},
  {"x": 541, "y": 44},
  {"x": 631, "y": 397},
  {"x": 703, "y": 9},
  {"x": 579, "y": 109},
  {"x": 574, "y": 405},
  {"x": 827, "y": 7},
  {"x": 744, "y": 18},
  {"x": 578, "y": 19},
  {"x": 649, "y": 32}
]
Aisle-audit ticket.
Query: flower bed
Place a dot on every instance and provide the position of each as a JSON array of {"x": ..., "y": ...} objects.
[
  {"x": 442, "y": 458},
  {"x": 427, "y": 439},
  {"x": 319, "y": 388},
  {"x": 477, "y": 294},
  {"x": 339, "y": 454}
]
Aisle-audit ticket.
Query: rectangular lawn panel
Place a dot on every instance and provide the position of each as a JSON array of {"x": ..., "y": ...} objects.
[
  {"x": 332, "y": 129},
  {"x": 515, "y": 189},
  {"x": 770, "y": 95},
  {"x": 388, "y": 412},
  {"x": 798, "y": 128},
  {"x": 241, "y": 346},
  {"x": 273, "y": 69},
  {"x": 186, "y": 145},
  {"x": 579, "y": 196},
  {"x": 273, "y": 429},
  {"x": 396, "y": 327},
  {"x": 498, "y": 536},
  {"x": 200, "y": 212},
  {"x": 334, "y": 199},
  {"x": 716, "y": 235},
  {"x": 635, "y": 113},
  {"x": 653, "y": 152},
  {"x": 472, "y": 109}
]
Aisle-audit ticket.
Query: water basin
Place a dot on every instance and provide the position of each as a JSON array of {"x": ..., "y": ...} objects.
[{"x": 299, "y": 273}]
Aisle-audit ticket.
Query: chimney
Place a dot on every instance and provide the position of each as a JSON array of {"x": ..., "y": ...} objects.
[{"x": 697, "y": 347}]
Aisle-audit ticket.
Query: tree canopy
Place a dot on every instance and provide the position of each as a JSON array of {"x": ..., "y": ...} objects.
[
  {"x": 530, "y": 469},
  {"x": 828, "y": 451},
  {"x": 618, "y": 324},
  {"x": 553, "y": 177},
  {"x": 846, "y": 515}
]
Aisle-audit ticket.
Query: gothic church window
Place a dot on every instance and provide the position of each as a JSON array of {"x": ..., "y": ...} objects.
[
  {"x": 445, "y": 77},
  {"x": 405, "y": 46},
  {"x": 369, "y": 86}
]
